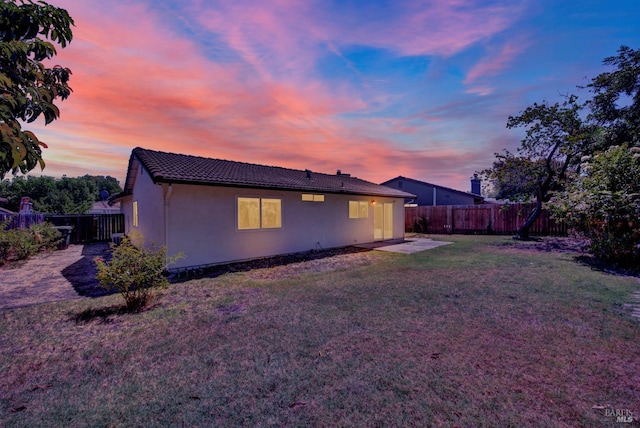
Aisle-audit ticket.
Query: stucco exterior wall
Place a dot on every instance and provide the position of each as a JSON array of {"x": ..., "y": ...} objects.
[
  {"x": 202, "y": 222},
  {"x": 150, "y": 199}
]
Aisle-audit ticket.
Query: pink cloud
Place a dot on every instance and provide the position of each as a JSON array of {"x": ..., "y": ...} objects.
[
  {"x": 137, "y": 82},
  {"x": 495, "y": 63}
]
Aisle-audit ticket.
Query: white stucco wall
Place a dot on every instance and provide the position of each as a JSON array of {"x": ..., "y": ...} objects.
[
  {"x": 203, "y": 223},
  {"x": 150, "y": 210}
]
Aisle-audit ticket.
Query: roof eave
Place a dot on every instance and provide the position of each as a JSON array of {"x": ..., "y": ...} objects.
[{"x": 161, "y": 179}]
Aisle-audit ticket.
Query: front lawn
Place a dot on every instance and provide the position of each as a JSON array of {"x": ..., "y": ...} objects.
[{"x": 479, "y": 333}]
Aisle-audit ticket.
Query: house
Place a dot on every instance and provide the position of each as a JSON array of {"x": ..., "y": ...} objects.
[
  {"x": 428, "y": 194},
  {"x": 216, "y": 211},
  {"x": 103, "y": 207}
]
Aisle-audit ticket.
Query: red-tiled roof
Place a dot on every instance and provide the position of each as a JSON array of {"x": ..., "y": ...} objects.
[{"x": 176, "y": 168}]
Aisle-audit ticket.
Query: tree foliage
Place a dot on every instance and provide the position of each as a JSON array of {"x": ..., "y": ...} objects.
[
  {"x": 58, "y": 196},
  {"x": 555, "y": 138},
  {"x": 616, "y": 102},
  {"x": 28, "y": 88},
  {"x": 604, "y": 203}
]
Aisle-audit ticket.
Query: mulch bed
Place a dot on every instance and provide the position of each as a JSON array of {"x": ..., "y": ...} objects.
[{"x": 261, "y": 263}]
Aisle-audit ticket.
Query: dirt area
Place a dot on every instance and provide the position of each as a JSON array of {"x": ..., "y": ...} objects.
[
  {"x": 52, "y": 276},
  {"x": 551, "y": 244},
  {"x": 288, "y": 266}
]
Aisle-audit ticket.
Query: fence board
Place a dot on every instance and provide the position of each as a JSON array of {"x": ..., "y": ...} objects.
[
  {"x": 479, "y": 219},
  {"x": 89, "y": 227}
]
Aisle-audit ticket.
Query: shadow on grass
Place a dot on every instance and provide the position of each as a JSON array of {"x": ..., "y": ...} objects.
[
  {"x": 100, "y": 314},
  {"x": 82, "y": 274},
  {"x": 598, "y": 265}
]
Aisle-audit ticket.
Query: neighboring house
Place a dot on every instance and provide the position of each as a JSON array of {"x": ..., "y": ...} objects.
[
  {"x": 103, "y": 207},
  {"x": 215, "y": 211},
  {"x": 428, "y": 194}
]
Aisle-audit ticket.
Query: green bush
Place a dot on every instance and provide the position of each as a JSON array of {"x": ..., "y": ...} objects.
[
  {"x": 604, "y": 204},
  {"x": 20, "y": 244},
  {"x": 134, "y": 272}
]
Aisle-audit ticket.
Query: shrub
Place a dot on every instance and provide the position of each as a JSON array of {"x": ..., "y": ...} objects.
[
  {"x": 134, "y": 272},
  {"x": 421, "y": 225},
  {"x": 45, "y": 236},
  {"x": 604, "y": 204},
  {"x": 20, "y": 244}
]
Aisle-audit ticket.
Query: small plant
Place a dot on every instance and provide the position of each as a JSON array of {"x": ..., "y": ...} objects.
[
  {"x": 421, "y": 225},
  {"x": 20, "y": 244},
  {"x": 134, "y": 272}
]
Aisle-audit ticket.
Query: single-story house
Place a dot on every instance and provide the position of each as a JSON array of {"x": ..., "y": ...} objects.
[
  {"x": 428, "y": 194},
  {"x": 216, "y": 211}
]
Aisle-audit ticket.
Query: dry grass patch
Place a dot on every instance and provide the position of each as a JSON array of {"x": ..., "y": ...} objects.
[{"x": 470, "y": 334}]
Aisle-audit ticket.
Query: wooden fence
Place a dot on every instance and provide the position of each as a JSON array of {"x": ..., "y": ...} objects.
[
  {"x": 89, "y": 227},
  {"x": 21, "y": 221},
  {"x": 479, "y": 219}
]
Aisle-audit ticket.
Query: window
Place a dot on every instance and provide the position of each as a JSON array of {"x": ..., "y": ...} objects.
[
  {"x": 135, "y": 213},
  {"x": 358, "y": 209},
  {"x": 259, "y": 213},
  {"x": 308, "y": 197},
  {"x": 271, "y": 213}
]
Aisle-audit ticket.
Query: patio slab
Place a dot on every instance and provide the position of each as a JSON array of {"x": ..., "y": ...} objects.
[{"x": 405, "y": 246}]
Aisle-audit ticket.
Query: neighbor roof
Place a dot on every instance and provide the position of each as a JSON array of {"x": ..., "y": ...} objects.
[
  {"x": 424, "y": 183},
  {"x": 186, "y": 169}
]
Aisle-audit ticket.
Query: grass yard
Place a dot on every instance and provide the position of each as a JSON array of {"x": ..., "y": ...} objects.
[{"x": 479, "y": 333}]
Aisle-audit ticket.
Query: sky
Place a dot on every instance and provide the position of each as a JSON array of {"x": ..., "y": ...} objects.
[{"x": 377, "y": 89}]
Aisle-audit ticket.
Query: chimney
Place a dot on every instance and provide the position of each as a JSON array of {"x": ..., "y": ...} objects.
[
  {"x": 339, "y": 172},
  {"x": 308, "y": 171},
  {"x": 475, "y": 185}
]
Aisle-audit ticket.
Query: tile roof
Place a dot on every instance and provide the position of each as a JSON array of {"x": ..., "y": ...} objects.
[{"x": 177, "y": 168}]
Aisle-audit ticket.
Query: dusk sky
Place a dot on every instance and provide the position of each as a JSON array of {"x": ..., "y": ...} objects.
[{"x": 373, "y": 88}]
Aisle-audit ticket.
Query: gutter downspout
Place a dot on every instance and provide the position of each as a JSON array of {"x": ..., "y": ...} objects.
[{"x": 167, "y": 195}]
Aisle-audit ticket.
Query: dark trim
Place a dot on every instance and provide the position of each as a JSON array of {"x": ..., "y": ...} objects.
[{"x": 157, "y": 180}]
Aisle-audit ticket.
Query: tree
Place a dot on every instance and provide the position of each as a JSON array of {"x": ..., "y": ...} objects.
[
  {"x": 555, "y": 138},
  {"x": 616, "y": 102},
  {"x": 58, "y": 196},
  {"x": 28, "y": 89}
]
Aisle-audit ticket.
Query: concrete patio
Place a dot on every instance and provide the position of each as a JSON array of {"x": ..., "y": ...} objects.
[{"x": 405, "y": 246}]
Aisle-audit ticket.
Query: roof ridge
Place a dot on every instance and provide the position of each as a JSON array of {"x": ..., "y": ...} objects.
[{"x": 242, "y": 163}]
